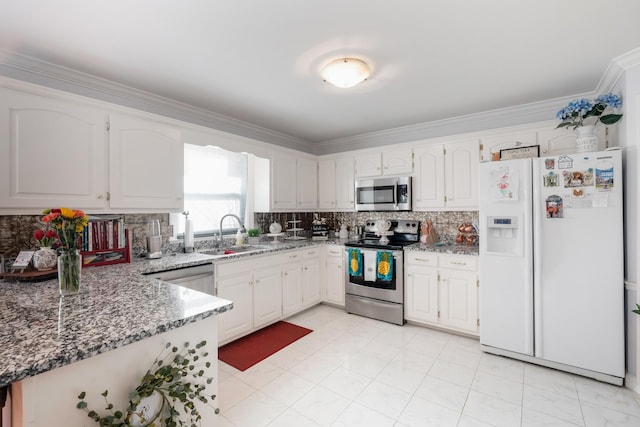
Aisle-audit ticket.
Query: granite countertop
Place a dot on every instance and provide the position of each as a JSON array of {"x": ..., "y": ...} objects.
[
  {"x": 117, "y": 305},
  {"x": 445, "y": 248}
]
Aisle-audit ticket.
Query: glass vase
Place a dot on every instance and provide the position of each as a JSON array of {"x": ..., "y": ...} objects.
[{"x": 69, "y": 267}]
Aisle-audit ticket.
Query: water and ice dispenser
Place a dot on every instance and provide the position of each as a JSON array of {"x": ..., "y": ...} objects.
[{"x": 503, "y": 235}]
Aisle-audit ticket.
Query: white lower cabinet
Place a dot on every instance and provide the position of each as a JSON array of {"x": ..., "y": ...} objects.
[
  {"x": 255, "y": 288},
  {"x": 266, "y": 295},
  {"x": 300, "y": 280},
  {"x": 442, "y": 290},
  {"x": 237, "y": 288},
  {"x": 334, "y": 275},
  {"x": 291, "y": 283},
  {"x": 265, "y": 289},
  {"x": 311, "y": 276}
]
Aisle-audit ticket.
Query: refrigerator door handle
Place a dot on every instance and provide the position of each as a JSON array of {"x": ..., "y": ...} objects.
[{"x": 537, "y": 265}]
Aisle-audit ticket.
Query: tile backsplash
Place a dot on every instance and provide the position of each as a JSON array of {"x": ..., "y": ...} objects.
[
  {"x": 445, "y": 222},
  {"x": 16, "y": 231}
]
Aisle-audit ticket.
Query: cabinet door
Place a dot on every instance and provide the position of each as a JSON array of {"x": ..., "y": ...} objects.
[
  {"x": 345, "y": 183},
  {"x": 53, "y": 153},
  {"x": 492, "y": 144},
  {"x": 283, "y": 181},
  {"x": 368, "y": 164},
  {"x": 334, "y": 283},
  {"x": 421, "y": 294},
  {"x": 397, "y": 162},
  {"x": 311, "y": 277},
  {"x": 146, "y": 164},
  {"x": 267, "y": 295},
  {"x": 307, "y": 183},
  {"x": 461, "y": 173},
  {"x": 291, "y": 287},
  {"x": 236, "y": 322},
  {"x": 459, "y": 300},
  {"x": 554, "y": 142},
  {"x": 428, "y": 184},
  {"x": 328, "y": 184}
]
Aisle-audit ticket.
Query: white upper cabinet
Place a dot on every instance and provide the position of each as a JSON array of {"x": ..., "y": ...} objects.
[
  {"x": 294, "y": 182},
  {"x": 461, "y": 173},
  {"x": 283, "y": 181},
  {"x": 62, "y": 150},
  {"x": 388, "y": 162},
  {"x": 328, "y": 181},
  {"x": 336, "y": 183},
  {"x": 428, "y": 182},
  {"x": 147, "y": 164},
  {"x": 492, "y": 144},
  {"x": 307, "y": 183},
  {"x": 345, "y": 183},
  {"x": 446, "y": 175},
  {"x": 397, "y": 162},
  {"x": 52, "y": 152}
]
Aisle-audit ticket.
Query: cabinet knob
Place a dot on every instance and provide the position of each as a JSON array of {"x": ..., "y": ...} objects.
[
  {"x": 100, "y": 196},
  {"x": 286, "y": 274}
]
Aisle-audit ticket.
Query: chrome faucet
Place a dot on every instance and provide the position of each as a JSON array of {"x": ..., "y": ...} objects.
[{"x": 241, "y": 229}]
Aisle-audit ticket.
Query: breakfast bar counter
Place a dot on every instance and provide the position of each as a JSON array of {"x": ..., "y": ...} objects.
[{"x": 117, "y": 305}]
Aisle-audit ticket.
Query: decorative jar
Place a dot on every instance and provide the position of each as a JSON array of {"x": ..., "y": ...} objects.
[
  {"x": 69, "y": 268},
  {"x": 45, "y": 258},
  {"x": 586, "y": 138}
]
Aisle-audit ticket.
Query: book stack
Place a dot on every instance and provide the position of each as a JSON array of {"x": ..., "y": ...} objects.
[
  {"x": 104, "y": 235},
  {"x": 105, "y": 241}
]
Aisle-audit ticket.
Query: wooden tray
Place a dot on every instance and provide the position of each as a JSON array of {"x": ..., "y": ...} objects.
[{"x": 31, "y": 276}]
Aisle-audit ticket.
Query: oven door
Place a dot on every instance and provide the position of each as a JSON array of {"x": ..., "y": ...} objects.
[{"x": 369, "y": 285}]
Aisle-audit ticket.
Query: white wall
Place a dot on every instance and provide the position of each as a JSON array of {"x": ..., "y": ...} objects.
[{"x": 628, "y": 136}]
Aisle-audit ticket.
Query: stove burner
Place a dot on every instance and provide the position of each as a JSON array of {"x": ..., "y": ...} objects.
[{"x": 405, "y": 232}]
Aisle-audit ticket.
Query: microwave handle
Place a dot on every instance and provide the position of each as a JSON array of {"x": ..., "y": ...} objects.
[{"x": 395, "y": 193}]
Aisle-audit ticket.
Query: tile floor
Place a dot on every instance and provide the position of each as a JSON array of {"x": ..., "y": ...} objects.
[{"x": 354, "y": 371}]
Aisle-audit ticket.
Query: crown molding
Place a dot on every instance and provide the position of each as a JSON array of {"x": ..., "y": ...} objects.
[
  {"x": 616, "y": 69},
  {"x": 57, "y": 77},
  {"x": 487, "y": 120},
  {"x": 47, "y": 74}
]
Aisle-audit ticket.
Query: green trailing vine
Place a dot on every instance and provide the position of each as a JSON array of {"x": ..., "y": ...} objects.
[{"x": 178, "y": 383}]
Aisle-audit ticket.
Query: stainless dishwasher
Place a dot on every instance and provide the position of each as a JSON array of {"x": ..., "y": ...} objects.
[{"x": 199, "y": 277}]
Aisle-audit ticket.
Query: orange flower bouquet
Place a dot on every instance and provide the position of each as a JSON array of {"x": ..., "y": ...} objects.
[{"x": 70, "y": 224}]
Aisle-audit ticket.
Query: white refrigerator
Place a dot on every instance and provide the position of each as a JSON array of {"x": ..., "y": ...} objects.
[{"x": 551, "y": 262}]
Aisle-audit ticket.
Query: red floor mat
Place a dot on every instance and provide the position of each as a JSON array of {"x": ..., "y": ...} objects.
[{"x": 245, "y": 352}]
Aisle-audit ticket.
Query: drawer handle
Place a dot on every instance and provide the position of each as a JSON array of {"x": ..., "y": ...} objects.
[
  {"x": 422, "y": 259},
  {"x": 458, "y": 263}
]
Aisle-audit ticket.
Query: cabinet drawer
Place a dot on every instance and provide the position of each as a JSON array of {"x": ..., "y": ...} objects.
[
  {"x": 291, "y": 256},
  {"x": 335, "y": 250},
  {"x": 230, "y": 268},
  {"x": 422, "y": 258},
  {"x": 459, "y": 262},
  {"x": 266, "y": 261},
  {"x": 311, "y": 252}
]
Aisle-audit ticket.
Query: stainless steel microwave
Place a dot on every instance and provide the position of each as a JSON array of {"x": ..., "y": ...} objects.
[{"x": 383, "y": 194}]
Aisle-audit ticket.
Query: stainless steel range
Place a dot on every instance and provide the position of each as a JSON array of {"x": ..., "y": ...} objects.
[{"x": 374, "y": 271}]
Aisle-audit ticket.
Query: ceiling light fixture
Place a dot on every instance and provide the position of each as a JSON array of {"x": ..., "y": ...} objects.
[{"x": 346, "y": 72}]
